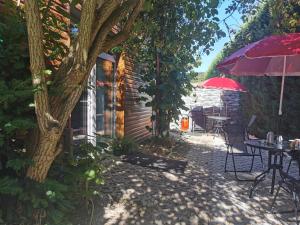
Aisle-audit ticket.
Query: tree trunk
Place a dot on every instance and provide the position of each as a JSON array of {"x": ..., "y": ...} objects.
[
  {"x": 44, "y": 155},
  {"x": 53, "y": 112}
]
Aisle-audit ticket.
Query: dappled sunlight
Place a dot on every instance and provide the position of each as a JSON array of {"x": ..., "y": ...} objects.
[
  {"x": 203, "y": 194},
  {"x": 170, "y": 176}
]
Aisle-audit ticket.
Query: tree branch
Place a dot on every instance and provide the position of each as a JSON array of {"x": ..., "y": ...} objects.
[
  {"x": 124, "y": 34},
  {"x": 72, "y": 85},
  {"x": 37, "y": 64},
  {"x": 68, "y": 62},
  {"x": 114, "y": 19},
  {"x": 85, "y": 30},
  {"x": 102, "y": 15},
  {"x": 100, "y": 3},
  {"x": 105, "y": 17}
]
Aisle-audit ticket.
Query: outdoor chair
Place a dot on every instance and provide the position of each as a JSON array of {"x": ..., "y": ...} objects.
[
  {"x": 236, "y": 152},
  {"x": 294, "y": 157},
  {"x": 241, "y": 151},
  {"x": 247, "y": 135},
  {"x": 198, "y": 119},
  {"x": 290, "y": 184},
  {"x": 216, "y": 111}
]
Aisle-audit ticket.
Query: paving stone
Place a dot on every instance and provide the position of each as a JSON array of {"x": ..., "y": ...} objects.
[{"x": 203, "y": 194}]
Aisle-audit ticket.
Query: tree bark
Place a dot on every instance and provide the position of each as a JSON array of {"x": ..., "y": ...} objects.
[
  {"x": 47, "y": 150},
  {"x": 98, "y": 17}
]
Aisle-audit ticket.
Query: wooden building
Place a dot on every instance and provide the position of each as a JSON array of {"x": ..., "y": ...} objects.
[
  {"x": 136, "y": 115},
  {"x": 111, "y": 106}
]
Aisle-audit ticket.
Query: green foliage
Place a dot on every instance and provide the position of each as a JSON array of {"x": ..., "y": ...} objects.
[
  {"x": 51, "y": 198},
  {"x": 198, "y": 77},
  {"x": 168, "y": 40},
  {"x": 16, "y": 95},
  {"x": 18, "y": 164},
  {"x": 87, "y": 167},
  {"x": 263, "y": 97},
  {"x": 69, "y": 185},
  {"x": 122, "y": 146},
  {"x": 212, "y": 71},
  {"x": 9, "y": 186},
  {"x": 15, "y": 85},
  {"x": 54, "y": 28},
  {"x": 253, "y": 30},
  {"x": 246, "y": 8}
]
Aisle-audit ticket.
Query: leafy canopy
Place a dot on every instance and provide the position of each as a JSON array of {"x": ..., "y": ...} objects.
[{"x": 168, "y": 41}]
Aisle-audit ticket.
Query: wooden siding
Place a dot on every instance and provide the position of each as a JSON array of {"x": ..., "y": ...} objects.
[
  {"x": 58, "y": 9},
  {"x": 136, "y": 115},
  {"x": 120, "y": 96}
]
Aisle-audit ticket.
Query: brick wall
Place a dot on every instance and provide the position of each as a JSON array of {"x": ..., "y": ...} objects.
[{"x": 228, "y": 102}]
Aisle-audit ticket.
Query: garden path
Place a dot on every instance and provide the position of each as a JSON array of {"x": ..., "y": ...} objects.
[{"x": 203, "y": 194}]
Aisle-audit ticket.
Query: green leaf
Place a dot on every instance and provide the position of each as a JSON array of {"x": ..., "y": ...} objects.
[
  {"x": 213, "y": 3},
  {"x": 18, "y": 164},
  {"x": 47, "y": 72},
  {"x": 9, "y": 186}
]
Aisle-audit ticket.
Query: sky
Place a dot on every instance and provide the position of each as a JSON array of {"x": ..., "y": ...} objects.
[{"x": 234, "y": 22}]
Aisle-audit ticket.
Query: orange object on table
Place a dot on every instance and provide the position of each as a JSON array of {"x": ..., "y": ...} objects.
[{"x": 184, "y": 123}]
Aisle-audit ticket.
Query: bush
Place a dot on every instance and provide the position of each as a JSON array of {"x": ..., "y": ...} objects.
[
  {"x": 27, "y": 202},
  {"x": 70, "y": 185},
  {"x": 123, "y": 146},
  {"x": 70, "y": 182}
]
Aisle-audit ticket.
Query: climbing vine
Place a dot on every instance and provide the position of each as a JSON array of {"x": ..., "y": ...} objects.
[{"x": 263, "y": 97}]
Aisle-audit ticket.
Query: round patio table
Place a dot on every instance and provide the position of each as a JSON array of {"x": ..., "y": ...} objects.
[
  {"x": 218, "y": 126},
  {"x": 275, "y": 160}
]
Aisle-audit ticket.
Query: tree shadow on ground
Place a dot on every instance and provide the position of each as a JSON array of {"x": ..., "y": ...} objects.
[
  {"x": 155, "y": 162},
  {"x": 203, "y": 194}
]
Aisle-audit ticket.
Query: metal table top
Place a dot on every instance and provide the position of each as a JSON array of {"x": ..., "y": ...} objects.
[
  {"x": 218, "y": 117},
  {"x": 262, "y": 144}
]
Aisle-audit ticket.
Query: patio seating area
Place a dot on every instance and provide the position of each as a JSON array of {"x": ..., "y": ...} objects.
[
  {"x": 203, "y": 194},
  {"x": 141, "y": 112}
]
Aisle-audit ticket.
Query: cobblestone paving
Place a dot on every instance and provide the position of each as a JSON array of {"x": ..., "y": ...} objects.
[{"x": 204, "y": 194}]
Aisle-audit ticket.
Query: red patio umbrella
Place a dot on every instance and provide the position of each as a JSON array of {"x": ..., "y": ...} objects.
[
  {"x": 277, "y": 55},
  {"x": 223, "y": 83}
]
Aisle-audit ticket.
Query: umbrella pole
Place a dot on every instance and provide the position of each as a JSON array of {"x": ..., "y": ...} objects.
[{"x": 282, "y": 86}]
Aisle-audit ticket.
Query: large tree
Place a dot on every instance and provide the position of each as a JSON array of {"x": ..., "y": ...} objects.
[
  {"x": 54, "y": 103},
  {"x": 169, "y": 39}
]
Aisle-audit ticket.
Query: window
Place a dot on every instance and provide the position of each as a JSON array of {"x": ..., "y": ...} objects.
[
  {"x": 79, "y": 116},
  {"x": 104, "y": 96}
]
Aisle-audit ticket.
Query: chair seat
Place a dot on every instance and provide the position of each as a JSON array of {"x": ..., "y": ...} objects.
[
  {"x": 243, "y": 154},
  {"x": 292, "y": 186},
  {"x": 236, "y": 151},
  {"x": 218, "y": 126},
  {"x": 288, "y": 179}
]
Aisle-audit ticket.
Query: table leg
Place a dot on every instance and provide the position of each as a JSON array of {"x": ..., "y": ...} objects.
[
  {"x": 274, "y": 174},
  {"x": 261, "y": 176}
]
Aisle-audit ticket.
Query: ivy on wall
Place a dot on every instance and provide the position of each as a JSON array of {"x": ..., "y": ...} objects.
[{"x": 263, "y": 97}]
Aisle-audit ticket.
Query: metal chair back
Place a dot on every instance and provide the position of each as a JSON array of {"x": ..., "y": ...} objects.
[{"x": 246, "y": 131}]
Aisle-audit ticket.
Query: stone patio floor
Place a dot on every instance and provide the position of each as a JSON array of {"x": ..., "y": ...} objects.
[{"x": 204, "y": 194}]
